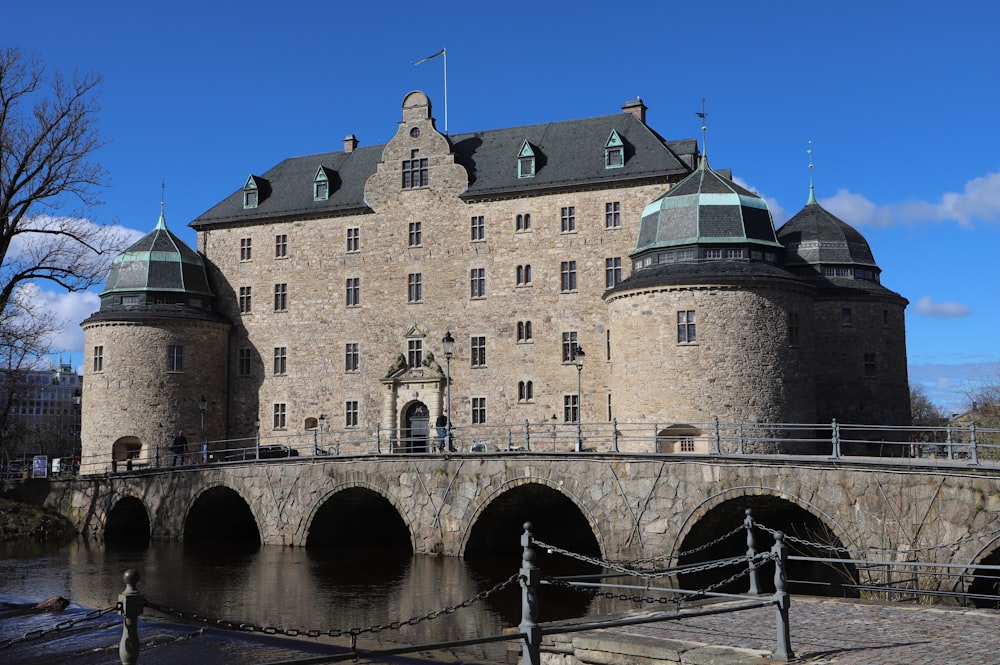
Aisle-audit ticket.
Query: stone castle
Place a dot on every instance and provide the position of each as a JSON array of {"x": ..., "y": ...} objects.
[{"x": 588, "y": 271}]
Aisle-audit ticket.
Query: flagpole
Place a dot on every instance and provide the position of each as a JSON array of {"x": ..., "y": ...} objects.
[{"x": 444, "y": 51}]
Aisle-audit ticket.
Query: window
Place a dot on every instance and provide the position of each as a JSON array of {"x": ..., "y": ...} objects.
[
  {"x": 353, "y": 291},
  {"x": 416, "y": 235},
  {"x": 280, "y": 246},
  {"x": 523, "y": 331},
  {"x": 713, "y": 254},
  {"x": 415, "y": 290},
  {"x": 477, "y": 228},
  {"x": 351, "y": 357},
  {"x": 280, "y": 297},
  {"x": 567, "y": 271},
  {"x": 245, "y": 249},
  {"x": 98, "y": 358},
  {"x": 687, "y": 444},
  {"x": 354, "y": 239},
  {"x": 613, "y": 215},
  {"x": 250, "y": 193},
  {"x": 614, "y": 151},
  {"x": 414, "y": 352},
  {"x": 845, "y": 316},
  {"x": 477, "y": 283},
  {"x": 732, "y": 253},
  {"x": 525, "y": 391},
  {"x": 130, "y": 300},
  {"x": 351, "y": 413},
  {"x": 571, "y": 409},
  {"x": 175, "y": 358},
  {"x": 870, "y": 365},
  {"x": 567, "y": 217},
  {"x": 526, "y": 161},
  {"x": 569, "y": 346},
  {"x": 243, "y": 361},
  {"x": 279, "y": 416},
  {"x": 793, "y": 328},
  {"x": 524, "y": 275},
  {"x": 414, "y": 171},
  {"x": 686, "y": 333},
  {"x": 613, "y": 271},
  {"x": 245, "y": 299},
  {"x": 522, "y": 222},
  {"x": 477, "y": 354},
  {"x": 280, "y": 360},
  {"x": 478, "y": 410}
]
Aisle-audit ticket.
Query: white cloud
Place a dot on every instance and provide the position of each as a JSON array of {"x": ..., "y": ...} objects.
[
  {"x": 941, "y": 310},
  {"x": 778, "y": 214},
  {"x": 69, "y": 310},
  {"x": 979, "y": 201}
]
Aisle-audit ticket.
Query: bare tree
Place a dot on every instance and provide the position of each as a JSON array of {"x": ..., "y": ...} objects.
[
  {"x": 48, "y": 180},
  {"x": 922, "y": 410}
]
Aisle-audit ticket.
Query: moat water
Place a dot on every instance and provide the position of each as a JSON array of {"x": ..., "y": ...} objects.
[{"x": 294, "y": 588}]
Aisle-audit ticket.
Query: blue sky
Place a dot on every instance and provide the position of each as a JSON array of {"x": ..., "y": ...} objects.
[{"x": 899, "y": 99}]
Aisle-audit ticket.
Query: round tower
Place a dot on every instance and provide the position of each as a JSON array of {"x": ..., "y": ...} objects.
[
  {"x": 709, "y": 325},
  {"x": 155, "y": 358},
  {"x": 861, "y": 374}
]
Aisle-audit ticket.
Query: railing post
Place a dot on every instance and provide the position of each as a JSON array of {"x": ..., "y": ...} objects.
[
  {"x": 717, "y": 443},
  {"x": 614, "y": 434},
  {"x": 948, "y": 442},
  {"x": 531, "y": 650},
  {"x": 751, "y": 553},
  {"x": 835, "y": 439},
  {"x": 131, "y": 603},
  {"x": 527, "y": 436},
  {"x": 972, "y": 440},
  {"x": 783, "y": 648},
  {"x": 378, "y": 439},
  {"x": 739, "y": 441},
  {"x": 316, "y": 441}
]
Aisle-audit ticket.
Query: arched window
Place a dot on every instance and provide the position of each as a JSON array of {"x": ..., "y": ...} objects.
[
  {"x": 525, "y": 391},
  {"x": 523, "y": 331},
  {"x": 524, "y": 275}
]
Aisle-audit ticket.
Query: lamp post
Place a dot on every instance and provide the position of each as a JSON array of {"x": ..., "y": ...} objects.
[
  {"x": 578, "y": 355},
  {"x": 202, "y": 405},
  {"x": 448, "y": 344}
]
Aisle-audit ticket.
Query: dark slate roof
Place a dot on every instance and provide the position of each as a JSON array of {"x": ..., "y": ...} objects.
[
  {"x": 158, "y": 262},
  {"x": 705, "y": 208},
  {"x": 816, "y": 237},
  {"x": 568, "y": 154},
  {"x": 743, "y": 273}
]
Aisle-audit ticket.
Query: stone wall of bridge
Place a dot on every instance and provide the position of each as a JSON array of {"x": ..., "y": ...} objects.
[{"x": 636, "y": 506}]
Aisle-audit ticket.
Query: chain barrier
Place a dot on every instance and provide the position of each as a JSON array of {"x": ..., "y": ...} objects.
[
  {"x": 353, "y": 633},
  {"x": 645, "y": 574},
  {"x": 693, "y": 550},
  {"x": 845, "y": 550},
  {"x": 62, "y": 625}
]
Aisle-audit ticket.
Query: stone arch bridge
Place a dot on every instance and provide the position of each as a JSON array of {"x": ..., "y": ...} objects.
[{"x": 634, "y": 506}]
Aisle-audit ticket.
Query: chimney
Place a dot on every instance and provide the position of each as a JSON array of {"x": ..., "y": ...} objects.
[
  {"x": 350, "y": 143},
  {"x": 636, "y": 108}
]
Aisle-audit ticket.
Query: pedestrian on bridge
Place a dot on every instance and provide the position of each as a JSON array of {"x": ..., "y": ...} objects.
[{"x": 179, "y": 447}]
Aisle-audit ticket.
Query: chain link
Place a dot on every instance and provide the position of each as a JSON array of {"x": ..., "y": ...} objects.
[
  {"x": 353, "y": 633},
  {"x": 645, "y": 574},
  {"x": 62, "y": 625},
  {"x": 693, "y": 550},
  {"x": 845, "y": 550}
]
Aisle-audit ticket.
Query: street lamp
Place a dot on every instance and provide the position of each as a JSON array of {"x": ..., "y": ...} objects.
[
  {"x": 202, "y": 405},
  {"x": 448, "y": 344},
  {"x": 578, "y": 355}
]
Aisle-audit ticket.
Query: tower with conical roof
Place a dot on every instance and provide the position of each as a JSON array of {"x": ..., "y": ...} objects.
[{"x": 158, "y": 339}]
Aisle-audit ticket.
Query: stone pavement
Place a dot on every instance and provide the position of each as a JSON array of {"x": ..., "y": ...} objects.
[{"x": 841, "y": 632}]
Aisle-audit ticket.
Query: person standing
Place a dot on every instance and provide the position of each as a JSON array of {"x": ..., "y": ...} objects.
[
  {"x": 441, "y": 424},
  {"x": 179, "y": 447}
]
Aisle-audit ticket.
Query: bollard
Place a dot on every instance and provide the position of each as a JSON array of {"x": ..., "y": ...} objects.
[
  {"x": 131, "y": 602},
  {"x": 783, "y": 650},
  {"x": 531, "y": 650},
  {"x": 751, "y": 552}
]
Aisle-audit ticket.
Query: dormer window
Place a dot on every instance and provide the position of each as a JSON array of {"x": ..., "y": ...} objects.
[
  {"x": 251, "y": 193},
  {"x": 614, "y": 151},
  {"x": 321, "y": 185},
  {"x": 526, "y": 161}
]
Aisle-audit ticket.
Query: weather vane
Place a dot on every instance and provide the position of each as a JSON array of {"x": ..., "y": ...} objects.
[{"x": 704, "y": 127}]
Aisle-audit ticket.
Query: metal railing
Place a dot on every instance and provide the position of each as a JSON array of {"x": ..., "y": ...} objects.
[{"x": 876, "y": 444}]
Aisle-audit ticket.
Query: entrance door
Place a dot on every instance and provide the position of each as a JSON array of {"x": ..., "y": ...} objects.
[{"x": 417, "y": 427}]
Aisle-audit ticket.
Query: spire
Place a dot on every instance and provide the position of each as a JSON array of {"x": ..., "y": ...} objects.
[
  {"x": 162, "y": 223},
  {"x": 704, "y": 135},
  {"x": 812, "y": 188}
]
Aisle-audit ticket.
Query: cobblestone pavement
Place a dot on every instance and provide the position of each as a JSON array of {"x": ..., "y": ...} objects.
[{"x": 837, "y": 632}]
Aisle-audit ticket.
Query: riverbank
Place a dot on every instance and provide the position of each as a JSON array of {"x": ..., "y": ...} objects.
[{"x": 23, "y": 521}]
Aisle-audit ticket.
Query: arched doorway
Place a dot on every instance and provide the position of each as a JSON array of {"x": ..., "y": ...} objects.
[
  {"x": 416, "y": 426},
  {"x": 678, "y": 439},
  {"x": 126, "y": 450}
]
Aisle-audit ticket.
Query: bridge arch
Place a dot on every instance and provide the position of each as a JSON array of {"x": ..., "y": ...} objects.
[
  {"x": 778, "y": 510},
  {"x": 370, "y": 501},
  {"x": 220, "y": 513},
  {"x": 127, "y": 523},
  {"x": 513, "y": 515}
]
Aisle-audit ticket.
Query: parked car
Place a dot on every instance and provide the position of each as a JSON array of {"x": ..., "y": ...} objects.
[{"x": 266, "y": 452}]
